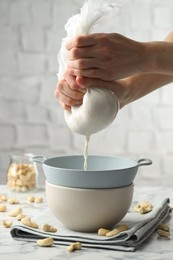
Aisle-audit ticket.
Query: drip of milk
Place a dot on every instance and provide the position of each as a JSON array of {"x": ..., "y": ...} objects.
[{"x": 87, "y": 138}]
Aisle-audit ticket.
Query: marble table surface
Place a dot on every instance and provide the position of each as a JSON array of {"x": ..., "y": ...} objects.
[{"x": 155, "y": 248}]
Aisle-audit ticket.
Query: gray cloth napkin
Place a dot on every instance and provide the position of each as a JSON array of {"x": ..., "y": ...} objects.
[{"x": 140, "y": 228}]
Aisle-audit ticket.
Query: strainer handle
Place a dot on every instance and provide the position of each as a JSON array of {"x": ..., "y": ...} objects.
[
  {"x": 38, "y": 159},
  {"x": 144, "y": 161}
]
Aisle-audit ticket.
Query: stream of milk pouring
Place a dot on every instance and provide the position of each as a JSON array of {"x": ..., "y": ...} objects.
[{"x": 87, "y": 138}]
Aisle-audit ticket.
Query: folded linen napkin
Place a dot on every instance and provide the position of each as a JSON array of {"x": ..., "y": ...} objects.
[{"x": 140, "y": 228}]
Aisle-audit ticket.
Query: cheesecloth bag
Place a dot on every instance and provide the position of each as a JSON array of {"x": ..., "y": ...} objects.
[{"x": 100, "y": 105}]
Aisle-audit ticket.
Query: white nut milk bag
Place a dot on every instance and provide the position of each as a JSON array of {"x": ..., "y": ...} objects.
[{"x": 100, "y": 106}]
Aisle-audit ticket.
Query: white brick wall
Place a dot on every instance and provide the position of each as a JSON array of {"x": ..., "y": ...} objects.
[{"x": 30, "y": 118}]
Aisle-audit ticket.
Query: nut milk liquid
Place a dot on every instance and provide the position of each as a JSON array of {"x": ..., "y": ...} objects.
[{"x": 87, "y": 138}]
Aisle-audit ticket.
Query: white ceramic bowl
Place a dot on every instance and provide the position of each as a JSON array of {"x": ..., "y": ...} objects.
[{"x": 87, "y": 210}]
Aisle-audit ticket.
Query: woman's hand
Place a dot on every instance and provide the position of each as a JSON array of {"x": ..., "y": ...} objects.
[
  {"x": 105, "y": 56},
  {"x": 70, "y": 91}
]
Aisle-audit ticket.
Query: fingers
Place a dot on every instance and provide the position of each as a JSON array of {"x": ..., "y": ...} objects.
[
  {"x": 84, "y": 63},
  {"x": 65, "y": 89},
  {"x": 92, "y": 73},
  {"x": 82, "y": 41},
  {"x": 66, "y": 96},
  {"x": 89, "y": 46},
  {"x": 105, "y": 56},
  {"x": 88, "y": 57},
  {"x": 77, "y": 53},
  {"x": 71, "y": 81},
  {"x": 66, "y": 107},
  {"x": 66, "y": 102},
  {"x": 89, "y": 83}
]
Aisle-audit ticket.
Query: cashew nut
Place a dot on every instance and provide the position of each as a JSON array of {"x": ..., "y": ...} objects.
[
  {"x": 17, "y": 188},
  {"x": 163, "y": 233},
  {"x": 74, "y": 246},
  {"x": 7, "y": 224},
  {"x": 25, "y": 176},
  {"x": 15, "y": 212},
  {"x": 31, "y": 198},
  {"x": 117, "y": 230},
  {"x": 164, "y": 227},
  {"x": 103, "y": 231},
  {"x": 24, "y": 188},
  {"x": 143, "y": 207},
  {"x": 163, "y": 230},
  {"x": 13, "y": 201},
  {"x": 3, "y": 197},
  {"x": 3, "y": 208},
  {"x": 48, "y": 228},
  {"x": 25, "y": 219},
  {"x": 27, "y": 222},
  {"x": 39, "y": 200},
  {"x": 45, "y": 242},
  {"x": 20, "y": 216}
]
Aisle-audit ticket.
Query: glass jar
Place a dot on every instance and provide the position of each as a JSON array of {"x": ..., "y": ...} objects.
[{"x": 22, "y": 173}]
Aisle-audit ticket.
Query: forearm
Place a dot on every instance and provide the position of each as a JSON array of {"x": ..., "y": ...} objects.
[
  {"x": 160, "y": 59},
  {"x": 159, "y": 56},
  {"x": 140, "y": 85}
]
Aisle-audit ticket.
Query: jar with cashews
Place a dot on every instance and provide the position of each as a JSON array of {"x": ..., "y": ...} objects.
[{"x": 22, "y": 173}]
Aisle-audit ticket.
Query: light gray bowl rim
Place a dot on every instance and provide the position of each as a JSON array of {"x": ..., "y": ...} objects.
[{"x": 137, "y": 163}]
